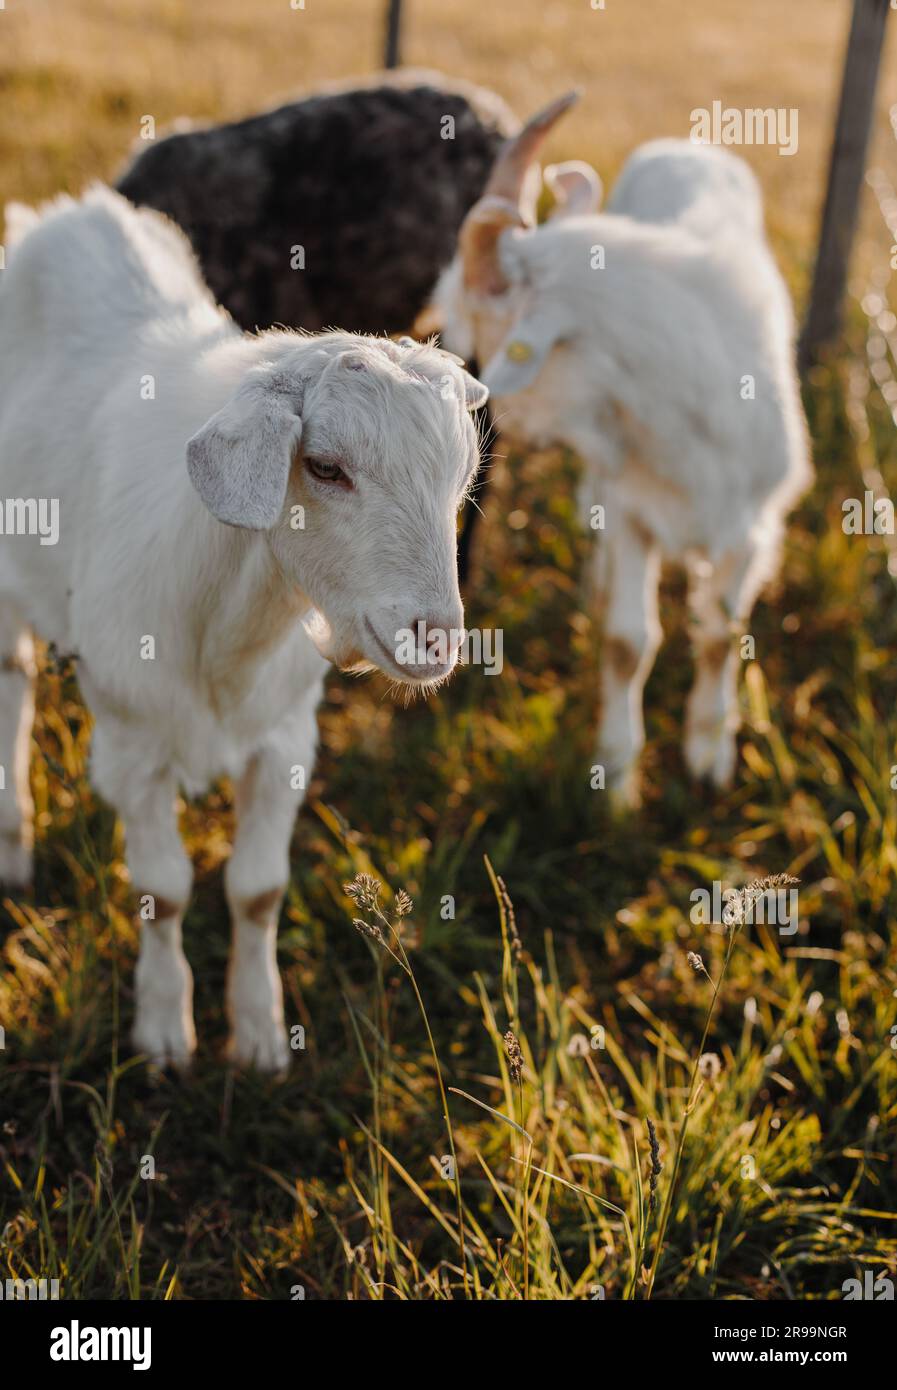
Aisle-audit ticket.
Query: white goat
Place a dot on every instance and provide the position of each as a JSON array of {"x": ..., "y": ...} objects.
[
  {"x": 656, "y": 340},
  {"x": 214, "y": 489}
]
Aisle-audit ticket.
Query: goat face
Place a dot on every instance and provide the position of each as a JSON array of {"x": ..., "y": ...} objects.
[
  {"x": 512, "y": 295},
  {"x": 518, "y": 331},
  {"x": 353, "y": 455}
]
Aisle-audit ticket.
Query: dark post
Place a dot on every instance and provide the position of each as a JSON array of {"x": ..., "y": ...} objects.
[
  {"x": 855, "y": 112},
  {"x": 393, "y": 34}
]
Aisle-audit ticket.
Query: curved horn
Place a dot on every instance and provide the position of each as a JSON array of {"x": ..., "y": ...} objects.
[
  {"x": 509, "y": 169},
  {"x": 502, "y": 202}
]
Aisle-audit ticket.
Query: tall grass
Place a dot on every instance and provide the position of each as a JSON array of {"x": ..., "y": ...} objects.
[{"x": 521, "y": 1224}]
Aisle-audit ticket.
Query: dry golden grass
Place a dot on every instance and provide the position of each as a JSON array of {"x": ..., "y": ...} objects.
[{"x": 77, "y": 75}]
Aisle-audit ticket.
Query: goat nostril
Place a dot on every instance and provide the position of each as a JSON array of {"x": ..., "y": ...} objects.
[{"x": 436, "y": 641}]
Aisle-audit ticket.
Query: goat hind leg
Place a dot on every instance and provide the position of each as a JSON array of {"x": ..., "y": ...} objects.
[
  {"x": 721, "y": 599},
  {"x": 17, "y": 672},
  {"x": 632, "y": 636}
]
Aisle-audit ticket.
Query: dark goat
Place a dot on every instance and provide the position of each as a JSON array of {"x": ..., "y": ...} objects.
[{"x": 361, "y": 178}]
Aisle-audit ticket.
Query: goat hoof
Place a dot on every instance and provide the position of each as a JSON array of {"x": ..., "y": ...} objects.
[
  {"x": 711, "y": 758},
  {"x": 166, "y": 1039},
  {"x": 622, "y": 782},
  {"x": 626, "y": 796},
  {"x": 259, "y": 1043}
]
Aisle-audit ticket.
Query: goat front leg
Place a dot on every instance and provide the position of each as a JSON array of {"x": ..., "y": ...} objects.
[
  {"x": 632, "y": 636},
  {"x": 162, "y": 876},
  {"x": 721, "y": 599},
  {"x": 126, "y": 770},
  {"x": 267, "y": 798}
]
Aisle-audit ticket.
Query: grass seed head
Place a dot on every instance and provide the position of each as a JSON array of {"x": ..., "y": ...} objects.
[
  {"x": 511, "y": 919},
  {"x": 515, "y": 1056},
  {"x": 364, "y": 890},
  {"x": 709, "y": 1066},
  {"x": 741, "y": 903},
  {"x": 368, "y": 929},
  {"x": 656, "y": 1165}
]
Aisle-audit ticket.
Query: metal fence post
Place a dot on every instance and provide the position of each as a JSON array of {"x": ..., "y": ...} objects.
[
  {"x": 393, "y": 57},
  {"x": 845, "y": 180}
]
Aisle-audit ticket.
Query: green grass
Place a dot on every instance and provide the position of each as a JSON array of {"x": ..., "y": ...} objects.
[{"x": 333, "y": 1179}]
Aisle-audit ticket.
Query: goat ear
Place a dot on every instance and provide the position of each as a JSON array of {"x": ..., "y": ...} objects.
[
  {"x": 522, "y": 355},
  {"x": 475, "y": 393},
  {"x": 239, "y": 462},
  {"x": 575, "y": 186}
]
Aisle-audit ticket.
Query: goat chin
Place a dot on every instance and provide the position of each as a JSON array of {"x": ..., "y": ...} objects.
[
  {"x": 326, "y": 643},
  {"x": 355, "y": 663},
  {"x": 346, "y": 656}
]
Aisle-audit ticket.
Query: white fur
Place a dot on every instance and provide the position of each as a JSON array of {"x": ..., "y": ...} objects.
[
  {"x": 100, "y": 300},
  {"x": 639, "y": 367}
]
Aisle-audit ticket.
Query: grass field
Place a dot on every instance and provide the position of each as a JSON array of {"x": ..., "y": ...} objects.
[{"x": 339, "y": 1179}]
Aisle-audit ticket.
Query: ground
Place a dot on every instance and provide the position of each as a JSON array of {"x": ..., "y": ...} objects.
[{"x": 339, "y": 1180}]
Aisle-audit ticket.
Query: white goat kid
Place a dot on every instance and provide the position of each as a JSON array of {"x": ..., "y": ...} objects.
[
  {"x": 321, "y": 482},
  {"x": 656, "y": 340}
]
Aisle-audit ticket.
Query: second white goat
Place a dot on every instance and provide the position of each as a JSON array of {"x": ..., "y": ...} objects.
[{"x": 657, "y": 341}]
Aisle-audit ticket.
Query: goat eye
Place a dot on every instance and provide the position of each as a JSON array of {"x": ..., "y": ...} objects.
[{"x": 327, "y": 471}]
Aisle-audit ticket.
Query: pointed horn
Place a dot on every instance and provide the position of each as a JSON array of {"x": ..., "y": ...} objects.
[
  {"x": 509, "y": 169},
  {"x": 501, "y": 203}
]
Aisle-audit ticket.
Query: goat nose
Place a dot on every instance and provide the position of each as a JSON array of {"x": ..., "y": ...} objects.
[
  {"x": 443, "y": 632},
  {"x": 437, "y": 639}
]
